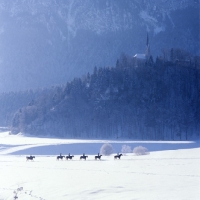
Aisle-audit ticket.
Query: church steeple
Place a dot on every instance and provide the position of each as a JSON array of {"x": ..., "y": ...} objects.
[
  {"x": 147, "y": 52},
  {"x": 147, "y": 43},
  {"x": 144, "y": 57}
]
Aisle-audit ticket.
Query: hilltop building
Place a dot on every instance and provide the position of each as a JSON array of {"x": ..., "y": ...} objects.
[{"x": 141, "y": 58}]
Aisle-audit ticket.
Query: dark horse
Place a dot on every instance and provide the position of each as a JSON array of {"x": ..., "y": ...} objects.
[
  {"x": 30, "y": 157},
  {"x": 69, "y": 157},
  {"x": 98, "y": 157},
  {"x": 60, "y": 157},
  {"x": 83, "y": 157},
  {"x": 117, "y": 156}
]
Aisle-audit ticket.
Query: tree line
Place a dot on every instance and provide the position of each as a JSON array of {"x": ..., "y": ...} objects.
[
  {"x": 136, "y": 99},
  {"x": 12, "y": 101}
]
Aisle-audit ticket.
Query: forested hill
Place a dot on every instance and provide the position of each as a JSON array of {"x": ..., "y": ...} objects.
[
  {"x": 137, "y": 100},
  {"x": 10, "y": 102}
]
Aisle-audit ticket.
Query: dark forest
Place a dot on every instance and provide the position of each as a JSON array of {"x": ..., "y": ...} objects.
[{"x": 136, "y": 99}]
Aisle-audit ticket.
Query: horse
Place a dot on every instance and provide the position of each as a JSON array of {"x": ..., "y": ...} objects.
[
  {"x": 69, "y": 157},
  {"x": 60, "y": 157},
  {"x": 83, "y": 157},
  {"x": 29, "y": 158},
  {"x": 117, "y": 156},
  {"x": 98, "y": 157}
]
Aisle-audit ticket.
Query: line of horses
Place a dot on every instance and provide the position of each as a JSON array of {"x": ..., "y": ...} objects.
[{"x": 69, "y": 157}]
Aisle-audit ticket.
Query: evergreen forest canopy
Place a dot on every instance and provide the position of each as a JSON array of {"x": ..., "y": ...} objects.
[{"x": 137, "y": 99}]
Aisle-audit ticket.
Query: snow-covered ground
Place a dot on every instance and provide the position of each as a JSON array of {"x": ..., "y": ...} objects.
[{"x": 170, "y": 172}]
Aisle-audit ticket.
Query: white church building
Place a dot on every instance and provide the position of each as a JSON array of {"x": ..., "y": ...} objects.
[{"x": 142, "y": 58}]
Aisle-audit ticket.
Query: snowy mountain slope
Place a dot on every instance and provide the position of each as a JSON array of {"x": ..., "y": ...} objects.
[{"x": 44, "y": 43}]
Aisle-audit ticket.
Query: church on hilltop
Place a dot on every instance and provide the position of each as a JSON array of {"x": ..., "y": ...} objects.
[{"x": 142, "y": 58}]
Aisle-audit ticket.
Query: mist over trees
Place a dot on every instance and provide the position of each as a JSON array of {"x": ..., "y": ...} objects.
[
  {"x": 137, "y": 99},
  {"x": 10, "y": 102}
]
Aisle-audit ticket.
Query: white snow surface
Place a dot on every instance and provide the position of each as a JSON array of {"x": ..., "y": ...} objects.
[{"x": 170, "y": 172}]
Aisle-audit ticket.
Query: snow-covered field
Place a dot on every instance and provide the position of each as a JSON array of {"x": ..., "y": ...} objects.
[{"x": 170, "y": 172}]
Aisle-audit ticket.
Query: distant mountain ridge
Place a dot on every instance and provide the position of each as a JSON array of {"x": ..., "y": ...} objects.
[{"x": 44, "y": 43}]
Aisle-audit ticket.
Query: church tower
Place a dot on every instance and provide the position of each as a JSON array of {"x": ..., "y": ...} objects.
[
  {"x": 147, "y": 52},
  {"x": 145, "y": 57}
]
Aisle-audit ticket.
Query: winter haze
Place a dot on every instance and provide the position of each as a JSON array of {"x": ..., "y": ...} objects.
[
  {"x": 84, "y": 77},
  {"x": 44, "y": 43}
]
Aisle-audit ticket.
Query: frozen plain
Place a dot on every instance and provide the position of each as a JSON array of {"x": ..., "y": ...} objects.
[{"x": 170, "y": 172}]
